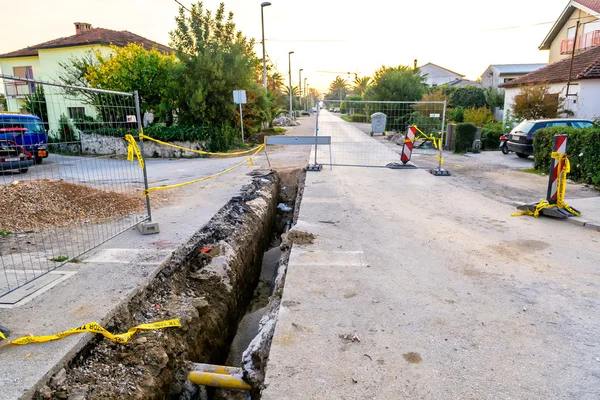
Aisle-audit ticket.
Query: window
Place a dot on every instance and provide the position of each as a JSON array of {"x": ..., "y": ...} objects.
[
  {"x": 76, "y": 112},
  {"x": 571, "y": 32},
  {"x": 581, "y": 124},
  {"x": 550, "y": 124},
  {"x": 508, "y": 80},
  {"x": 591, "y": 27}
]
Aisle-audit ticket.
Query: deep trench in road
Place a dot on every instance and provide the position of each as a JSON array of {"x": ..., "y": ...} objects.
[{"x": 221, "y": 283}]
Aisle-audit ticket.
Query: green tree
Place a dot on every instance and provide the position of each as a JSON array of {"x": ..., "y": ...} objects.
[
  {"x": 216, "y": 59},
  {"x": 3, "y": 102},
  {"x": 35, "y": 104},
  {"x": 536, "y": 102},
  {"x": 468, "y": 97},
  {"x": 494, "y": 97},
  {"x": 361, "y": 86},
  {"x": 396, "y": 84},
  {"x": 338, "y": 88},
  {"x": 275, "y": 82},
  {"x": 133, "y": 67}
]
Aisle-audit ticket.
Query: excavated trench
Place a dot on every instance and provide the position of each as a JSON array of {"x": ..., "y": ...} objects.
[{"x": 238, "y": 282}]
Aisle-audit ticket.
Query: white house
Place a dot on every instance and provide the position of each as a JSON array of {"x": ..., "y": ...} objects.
[
  {"x": 583, "y": 98},
  {"x": 438, "y": 76},
  {"x": 497, "y": 74}
]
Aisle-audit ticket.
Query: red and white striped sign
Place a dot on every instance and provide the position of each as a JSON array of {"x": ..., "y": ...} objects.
[
  {"x": 560, "y": 146},
  {"x": 409, "y": 140}
]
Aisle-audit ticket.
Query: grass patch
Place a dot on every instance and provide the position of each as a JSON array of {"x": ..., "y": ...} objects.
[
  {"x": 59, "y": 258},
  {"x": 346, "y": 118},
  {"x": 4, "y": 233},
  {"x": 279, "y": 129},
  {"x": 533, "y": 171}
]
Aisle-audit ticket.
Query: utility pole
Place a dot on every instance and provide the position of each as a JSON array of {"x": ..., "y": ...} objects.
[
  {"x": 571, "y": 66},
  {"x": 300, "y": 86},
  {"x": 262, "y": 22},
  {"x": 290, "y": 76}
]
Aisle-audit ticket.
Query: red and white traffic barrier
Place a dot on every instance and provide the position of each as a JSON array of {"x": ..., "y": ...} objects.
[
  {"x": 560, "y": 146},
  {"x": 409, "y": 141}
]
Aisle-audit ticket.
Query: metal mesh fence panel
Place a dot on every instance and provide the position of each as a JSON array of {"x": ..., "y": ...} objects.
[
  {"x": 66, "y": 185},
  {"x": 371, "y": 133}
]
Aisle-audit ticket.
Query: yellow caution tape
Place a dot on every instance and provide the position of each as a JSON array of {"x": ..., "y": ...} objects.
[
  {"x": 208, "y": 153},
  {"x": 561, "y": 190},
  {"x": 95, "y": 328},
  {"x": 178, "y": 185},
  {"x": 132, "y": 148},
  {"x": 437, "y": 142}
]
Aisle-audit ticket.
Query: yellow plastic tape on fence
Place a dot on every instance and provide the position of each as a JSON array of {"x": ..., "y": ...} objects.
[
  {"x": 132, "y": 148},
  {"x": 208, "y": 153},
  {"x": 178, "y": 185},
  {"x": 95, "y": 328},
  {"x": 437, "y": 142}
]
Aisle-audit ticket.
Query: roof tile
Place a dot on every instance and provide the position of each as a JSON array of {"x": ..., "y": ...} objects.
[
  {"x": 93, "y": 36},
  {"x": 586, "y": 65}
]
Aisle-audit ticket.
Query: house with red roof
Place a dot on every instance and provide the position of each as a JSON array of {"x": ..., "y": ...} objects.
[
  {"x": 573, "y": 73},
  {"x": 42, "y": 62}
]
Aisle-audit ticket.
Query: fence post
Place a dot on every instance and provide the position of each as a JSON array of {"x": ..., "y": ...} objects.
[
  {"x": 146, "y": 227},
  {"x": 316, "y": 166}
]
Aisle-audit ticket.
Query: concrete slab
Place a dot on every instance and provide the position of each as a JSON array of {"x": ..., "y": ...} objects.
[
  {"x": 590, "y": 212},
  {"x": 451, "y": 297}
]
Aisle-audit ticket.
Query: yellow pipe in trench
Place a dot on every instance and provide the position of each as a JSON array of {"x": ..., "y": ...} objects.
[
  {"x": 217, "y": 380},
  {"x": 217, "y": 369}
]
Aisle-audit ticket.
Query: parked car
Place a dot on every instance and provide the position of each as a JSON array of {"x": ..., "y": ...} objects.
[
  {"x": 330, "y": 109},
  {"x": 313, "y": 110},
  {"x": 336, "y": 110},
  {"x": 14, "y": 157},
  {"x": 520, "y": 139},
  {"x": 27, "y": 131},
  {"x": 305, "y": 112}
]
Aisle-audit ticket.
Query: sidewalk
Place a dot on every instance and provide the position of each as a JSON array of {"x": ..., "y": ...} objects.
[
  {"x": 590, "y": 212},
  {"x": 418, "y": 288}
]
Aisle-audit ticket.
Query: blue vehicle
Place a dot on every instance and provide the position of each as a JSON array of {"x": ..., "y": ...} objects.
[{"x": 26, "y": 131}]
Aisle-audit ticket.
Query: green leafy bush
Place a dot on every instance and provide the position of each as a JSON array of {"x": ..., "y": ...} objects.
[
  {"x": 490, "y": 135},
  {"x": 457, "y": 114},
  {"x": 464, "y": 136},
  {"x": 467, "y": 97},
  {"x": 583, "y": 150},
  {"x": 358, "y": 118},
  {"x": 478, "y": 116}
]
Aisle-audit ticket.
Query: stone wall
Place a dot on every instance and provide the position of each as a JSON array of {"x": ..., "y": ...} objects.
[{"x": 106, "y": 145}]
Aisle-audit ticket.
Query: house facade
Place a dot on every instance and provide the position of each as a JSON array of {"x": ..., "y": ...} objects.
[
  {"x": 497, "y": 74},
  {"x": 437, "y": 76},
  {"x": 42, "y": 62},
  {"x": 565, "y": 36},
  {"x": 583, "y": 97}
]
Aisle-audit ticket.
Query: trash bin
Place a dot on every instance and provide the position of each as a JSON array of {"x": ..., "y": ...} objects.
[{"x": 378, "y": 122}]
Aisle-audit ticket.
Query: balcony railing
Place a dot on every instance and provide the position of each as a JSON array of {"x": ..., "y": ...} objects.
[{"x": 583, "y": 42}]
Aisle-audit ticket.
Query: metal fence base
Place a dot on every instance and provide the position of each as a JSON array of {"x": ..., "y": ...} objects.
[
  {"x": 148, "y": 228},
  {"x": 314, "y": 167},
  {"x": 439, "y": 172},
  {"x": 395, "y": 165}
]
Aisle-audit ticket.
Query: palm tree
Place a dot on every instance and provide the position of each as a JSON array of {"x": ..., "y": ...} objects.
[
  {"x": 275, "y": 82},
  {"x": 361, "y": 85},
  {"x": 338, "y": 85},
  {"x": 295, "y": 91}
]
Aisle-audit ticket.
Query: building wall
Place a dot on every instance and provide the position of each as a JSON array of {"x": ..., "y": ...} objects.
[
  {"x": 560, "y": 88},
  {"x": 6, "y": 67},
  {"x": 589, "y": 99},
  {"x": 562, "y": 35},
  {"x": 437, "y": 76}
]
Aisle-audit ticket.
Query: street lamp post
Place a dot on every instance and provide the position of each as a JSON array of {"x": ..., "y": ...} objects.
[
  {"x": 290, "y": 76},
  {"x": 308, "y": 90},
  {"x": 305, "y": 94},
  {"x": 300, "y": 86},
  {"x": 262, "y": 21}
]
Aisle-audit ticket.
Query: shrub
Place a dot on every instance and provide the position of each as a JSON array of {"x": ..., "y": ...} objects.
[
  {"x": 478, "y": 116},
  {"x": 467, "y": 97},
  {"x": 457, "y": 114},
  {"x": 583, "y": 149},
  {"x": 536, "y": 102},
  {"x": 490, "y": 135},
  {"x": 464, "y": 136},
  {"x": 358, "y": 118}
]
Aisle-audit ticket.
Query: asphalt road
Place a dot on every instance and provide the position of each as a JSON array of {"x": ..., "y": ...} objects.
[{"x": 420, "y": 287}]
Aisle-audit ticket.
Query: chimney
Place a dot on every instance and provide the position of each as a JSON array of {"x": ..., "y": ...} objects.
[
  {"x": 415, "y": 63},
  {"x": 81, "y": 27}
]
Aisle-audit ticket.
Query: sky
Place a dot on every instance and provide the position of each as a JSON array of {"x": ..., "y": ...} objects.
[{"x": 464, "y": 36}]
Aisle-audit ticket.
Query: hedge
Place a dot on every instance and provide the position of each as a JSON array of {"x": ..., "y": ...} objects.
[
  {"x": 464, "y": 135},
  {"x": 216, "y": 138},
  {"x": 490, "y": 136},
  {"x": 358, "y": 118},
  {"x": 583, "y": 150}
]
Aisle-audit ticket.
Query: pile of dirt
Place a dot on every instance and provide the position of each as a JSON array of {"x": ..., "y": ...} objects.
[{"x": 38, "y": 204}]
